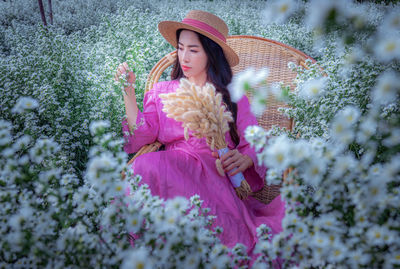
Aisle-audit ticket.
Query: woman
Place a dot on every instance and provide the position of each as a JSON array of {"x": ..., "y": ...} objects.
[{"x": 187, "y": 168}]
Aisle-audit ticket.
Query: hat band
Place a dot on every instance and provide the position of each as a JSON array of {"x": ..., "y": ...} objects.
[{"x": 204, "y": 26}]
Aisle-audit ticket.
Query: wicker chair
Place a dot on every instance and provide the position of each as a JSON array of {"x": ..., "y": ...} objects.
[{"x": 256, "y": 52}]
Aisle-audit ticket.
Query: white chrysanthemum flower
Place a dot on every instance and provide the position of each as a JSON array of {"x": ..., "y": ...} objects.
[
  {"x": 338, "y": 252},
  {"x": 22, "y": 142},
  {"x": 25, "y": 103},
  {"x": 378, "y": 235},
  {"x": 191, "y": 261},
  {"x": 349, "y": 115},
  {"x": 342, "y": 126},
  {"x": 314, "y": 170},
  {"x": 343, "y": 164},
  {"x": 387, "y": 88},
  {"x": 8, "y": 152},
  {"x": 177, "y": 203},
  {"x": 259, "y": 101},
  {"x": 301, "y": 150},
  {"x": 290, "y": 219},
  {"x": 375, "y": 191},
  {"x": 101, "y": 165},
  {"x": 277, "y": 11},
  {"x": 368, "y": 127},
  {"x": 320, "y": 240},
  {"x": 359, "y": 257},
  {"x": 388, "y": 48},
  {"x": 42, "y": 149},
  {"x": 137, "y": 258},
  {"x": 278, "y": 154},
  {"x": 134, "y": 222},
  {"x": 256, "y": 136},
  {"x": 319, "y": 10},
  {"x": 245, "y": 81},
  {"x": 313, "y": 88},
  {"x": 5, "y": 137},
  {"x": 394, "y": 258},
  {"x": 393, "y": 140},
  {"x": 340, "y": 132},
  {"x": 391, "y": 22},
  {"x": 272, "y": 177},
  {"x": 97, "y": 126}
]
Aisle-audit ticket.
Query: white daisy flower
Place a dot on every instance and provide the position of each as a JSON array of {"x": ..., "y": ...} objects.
[
  {"x": 137, "y": 258},
  {"x": 277, "y": 11},
  {"x": 387, "y": 88},
  {"x": 256, "y": 136},
  {"x": 245, "y": 81},
  {"x": 177, "y": 203},
  {"x": 313, "y": 88},
  {"x": 314, "y": 170},
  {"x": 343, "y": 164},
  {"x": 388, "y": 48},
  {"x": 278, "y": 154},
  {"x": 98, "y": 126},
  {"x": 394, "y": 138},
  {"x": 25, "y": 103},
  {"x": 368, "y": 127}
]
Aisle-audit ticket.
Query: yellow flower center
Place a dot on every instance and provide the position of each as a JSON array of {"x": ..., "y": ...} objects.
[
  {"x": 390, "y": 47},
  {"x": 315, "y": 171},
  {"x": 339, "y": 128},
  {"x": 314, "y": 90},
  {"x": 284, "y": 8}
]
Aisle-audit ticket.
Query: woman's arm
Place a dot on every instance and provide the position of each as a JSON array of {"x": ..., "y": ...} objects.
[{"x": 131, "y": 107}]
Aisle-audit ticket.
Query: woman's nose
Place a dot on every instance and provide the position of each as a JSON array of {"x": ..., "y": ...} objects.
[{"x": 185, "y": 56}]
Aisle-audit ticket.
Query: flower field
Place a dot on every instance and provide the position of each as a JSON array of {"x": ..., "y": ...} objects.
[{"x": 64, "y": 202}]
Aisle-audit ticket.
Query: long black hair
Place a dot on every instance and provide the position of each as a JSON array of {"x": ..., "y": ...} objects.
[{"x": 219, "y": 73}]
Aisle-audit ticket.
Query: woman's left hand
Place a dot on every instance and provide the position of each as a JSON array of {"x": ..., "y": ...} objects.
[{"x": 234, "y": 159}]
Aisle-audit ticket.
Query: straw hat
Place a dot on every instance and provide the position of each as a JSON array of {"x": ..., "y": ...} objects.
[{"x": 204, "y": 23}]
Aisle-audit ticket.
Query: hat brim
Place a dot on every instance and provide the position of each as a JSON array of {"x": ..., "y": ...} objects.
[{"x": 168, "y": 31}]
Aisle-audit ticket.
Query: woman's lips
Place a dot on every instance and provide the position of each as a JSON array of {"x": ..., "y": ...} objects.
[{"x": 184, "y": 67}]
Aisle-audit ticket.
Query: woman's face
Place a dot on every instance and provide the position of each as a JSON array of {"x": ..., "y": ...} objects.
[{"x": 192, "y": 57}]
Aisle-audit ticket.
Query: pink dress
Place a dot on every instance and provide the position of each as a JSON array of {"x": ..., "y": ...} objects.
[{"x": 187, "y": 168}]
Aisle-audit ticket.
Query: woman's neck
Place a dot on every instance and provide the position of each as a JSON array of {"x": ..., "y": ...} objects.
[{"x": 199, "y": 80}]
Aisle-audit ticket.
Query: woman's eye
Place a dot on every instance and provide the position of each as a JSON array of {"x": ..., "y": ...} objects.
[{"x": 194, "y": 51}]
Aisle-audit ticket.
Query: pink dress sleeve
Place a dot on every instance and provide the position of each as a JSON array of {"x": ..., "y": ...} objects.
[
  {"x": 254, "y": 175},
  {"x": 147, "y": 124}
]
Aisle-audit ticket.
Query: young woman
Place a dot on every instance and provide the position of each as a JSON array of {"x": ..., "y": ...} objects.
[{"x": 186, "y": 168}]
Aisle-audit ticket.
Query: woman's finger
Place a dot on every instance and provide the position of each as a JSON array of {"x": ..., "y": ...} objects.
[
  {"x": 227, "y": 155},
  {"x": 235, "y": 164},
  {"x": 235, "y": 157}
]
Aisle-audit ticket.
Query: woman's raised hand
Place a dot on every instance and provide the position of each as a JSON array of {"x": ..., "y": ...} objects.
[{"x": 123, "y": 69}]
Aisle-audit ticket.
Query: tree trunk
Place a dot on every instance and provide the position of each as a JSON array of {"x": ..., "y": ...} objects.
[
  {"x": 50, "y": 12},
  {"x": 42, "y": 13}
]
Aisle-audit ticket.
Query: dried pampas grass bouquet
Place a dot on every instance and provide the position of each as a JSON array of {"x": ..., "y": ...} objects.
[{"x": 201, "y": 110}]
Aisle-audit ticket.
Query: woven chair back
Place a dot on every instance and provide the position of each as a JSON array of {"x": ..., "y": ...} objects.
[{"x": 254, "y": 52}]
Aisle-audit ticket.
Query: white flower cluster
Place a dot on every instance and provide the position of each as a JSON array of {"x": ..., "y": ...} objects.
[
  {"x": 50, "y": 217},
  {"x": 342, "y": 193}
]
